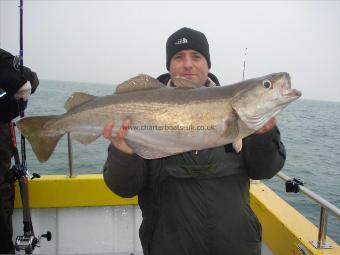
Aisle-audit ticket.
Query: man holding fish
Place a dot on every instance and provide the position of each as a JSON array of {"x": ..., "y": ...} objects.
[
  {"x": 196, "y": 201},
  {"x": 185, "y": 145}
]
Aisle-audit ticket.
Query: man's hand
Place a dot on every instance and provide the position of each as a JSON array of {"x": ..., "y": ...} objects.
[
  {"x": 119, "y": 140},
  {"x": 24, "y": 92},
  {"x": 267, "y": 127}
]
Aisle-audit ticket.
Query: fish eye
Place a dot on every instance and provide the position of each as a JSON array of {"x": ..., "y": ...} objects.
[{"x": 267, "y": 84}]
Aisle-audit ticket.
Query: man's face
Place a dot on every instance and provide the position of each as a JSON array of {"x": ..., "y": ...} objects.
[{"x": 191, "y": 65}]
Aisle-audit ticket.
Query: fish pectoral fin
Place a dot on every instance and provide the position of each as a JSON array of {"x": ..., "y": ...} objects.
[
  {"x": 237, "y": 145},
  {"x": 76, "y": 99},
  {"x": 84, "y": 138},
  {"x": 147, "y": 152},
  {"x": 182, "y": 83},
  {"x": 139, "y": 82},
  {"x": 231, "y": 127}
]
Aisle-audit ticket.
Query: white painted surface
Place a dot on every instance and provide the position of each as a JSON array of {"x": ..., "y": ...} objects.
[
  {"x": 88, "y": 230},
  {"x": 85, "y": 230}
]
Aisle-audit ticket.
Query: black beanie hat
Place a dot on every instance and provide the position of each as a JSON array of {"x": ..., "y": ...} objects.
[{"x": 184, "y": 39}]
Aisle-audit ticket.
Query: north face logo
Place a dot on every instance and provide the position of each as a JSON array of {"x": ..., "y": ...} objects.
[{"x": 181, "y": 41}]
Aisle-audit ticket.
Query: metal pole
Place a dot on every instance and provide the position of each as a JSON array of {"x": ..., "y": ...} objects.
[
  {"x": 322, "y": 227},
  {"x": 321, "y": 242},
  {"x": 325, "y": 207},
  {"x": 70, "y": 155},
  {"x": 321, "y": 201}
]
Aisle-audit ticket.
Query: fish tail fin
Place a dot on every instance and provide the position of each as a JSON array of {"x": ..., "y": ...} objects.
[{"x": 32, "y": 128}]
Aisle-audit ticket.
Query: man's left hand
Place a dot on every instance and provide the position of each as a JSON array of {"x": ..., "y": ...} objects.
[{"x": 267, "y": 127}]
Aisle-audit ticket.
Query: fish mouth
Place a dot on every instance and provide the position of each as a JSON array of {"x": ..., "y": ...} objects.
[
  {"x": 292, "y": 93},
  {"x": 286, "y": 88}
]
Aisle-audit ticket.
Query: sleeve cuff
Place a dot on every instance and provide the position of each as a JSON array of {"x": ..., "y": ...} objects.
[
  {"x": 264, "y": 139},
  {"x": 113, "y": 151}
]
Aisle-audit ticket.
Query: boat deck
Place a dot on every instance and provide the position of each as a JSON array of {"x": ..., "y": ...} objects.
[{"x": 85, "y": 217}]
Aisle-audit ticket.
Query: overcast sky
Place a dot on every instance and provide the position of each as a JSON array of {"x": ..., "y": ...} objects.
[{"x": 111, "y": 41}]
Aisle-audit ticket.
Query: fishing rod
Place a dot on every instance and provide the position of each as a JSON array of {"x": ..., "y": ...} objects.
[
  {"x": 244, "y": 63},
  {"x": 28, "y": 241}
]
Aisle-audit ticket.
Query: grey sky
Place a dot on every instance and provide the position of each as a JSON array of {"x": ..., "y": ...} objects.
[{"x": 111, "y": 41}]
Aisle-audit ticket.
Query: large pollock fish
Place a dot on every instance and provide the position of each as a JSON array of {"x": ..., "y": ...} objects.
[{"x": 165, "y": 120}]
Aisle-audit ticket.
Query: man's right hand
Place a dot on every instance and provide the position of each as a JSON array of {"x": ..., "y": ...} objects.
[
  {"x": 24, "y": 92},
  {"x": 119, "y": 139}
]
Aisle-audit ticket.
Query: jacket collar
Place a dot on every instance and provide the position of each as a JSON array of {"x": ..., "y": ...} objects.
[{"x": 209, "y": 83}]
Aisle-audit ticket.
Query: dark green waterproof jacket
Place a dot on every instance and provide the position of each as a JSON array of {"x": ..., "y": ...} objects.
[{"x": 197, "y": 203}]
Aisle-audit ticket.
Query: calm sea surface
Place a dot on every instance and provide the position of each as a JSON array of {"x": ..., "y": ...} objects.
[{"x": 310, "y": 131}]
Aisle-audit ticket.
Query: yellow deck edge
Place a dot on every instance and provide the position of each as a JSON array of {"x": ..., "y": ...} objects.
[
  {"x": 56, "y": 191},
  {"x": 277, "y": 217}
]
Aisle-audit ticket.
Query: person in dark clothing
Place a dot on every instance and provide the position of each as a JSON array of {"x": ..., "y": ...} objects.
[
  {"x": 14, "y": 86},
  {"x": 195, "y": 202}
]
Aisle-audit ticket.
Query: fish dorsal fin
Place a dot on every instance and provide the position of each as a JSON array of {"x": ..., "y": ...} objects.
[
  {"x": 76, "y": 99},
  {"x": 140, "y": 82},
  {"x": 182, "y": 83}
]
